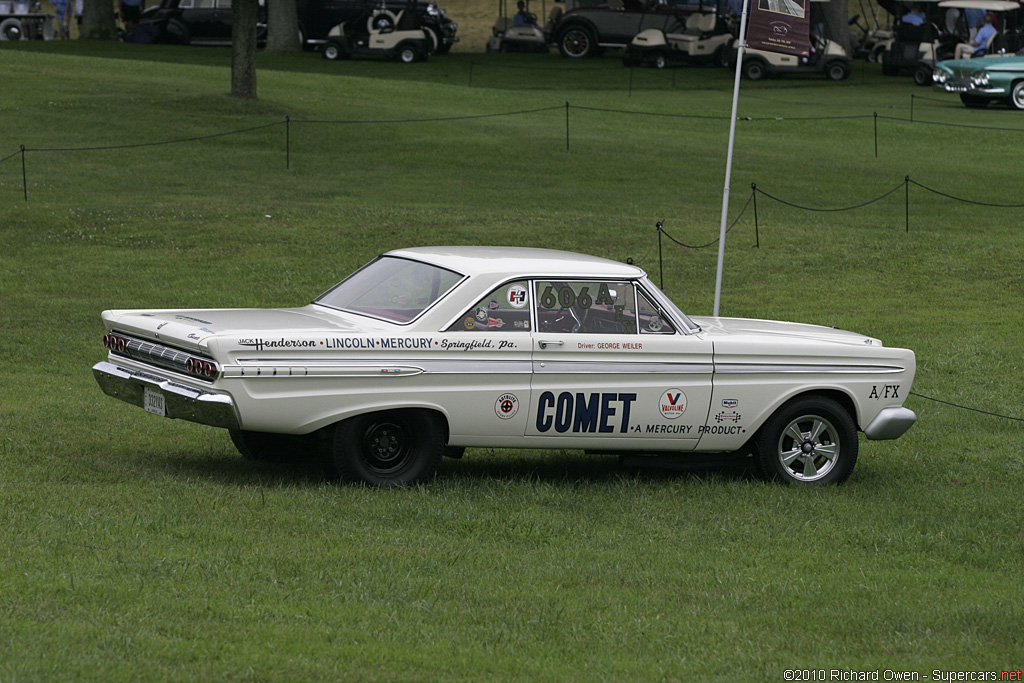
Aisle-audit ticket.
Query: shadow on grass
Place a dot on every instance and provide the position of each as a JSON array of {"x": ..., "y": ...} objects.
[{"x": 479, "y": 466}]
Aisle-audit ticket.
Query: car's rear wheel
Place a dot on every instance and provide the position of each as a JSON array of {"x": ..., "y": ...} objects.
[
  {"x": 810, "y": 440},
  {"x": 577, "y": 42},
  {"x": 973, "y": 101},
  {"x": 333, "y": 51},
  {"x": 389, "y": 448},
  {"x": 1017, "y": 95}
]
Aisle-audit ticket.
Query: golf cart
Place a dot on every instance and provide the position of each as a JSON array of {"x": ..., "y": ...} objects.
[
  {"x": 705, "y": 38},
  {"x": 825, "y": 56},
  {"x": 506, "y": 36},
  {"x": 382, "y": 33},
  {"x": 873, "y": 40}
]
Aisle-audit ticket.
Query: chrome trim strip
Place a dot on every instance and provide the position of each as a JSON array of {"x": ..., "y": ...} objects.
[
  {"x": 183, "y": 402},
  {"x": 589, "y": 368},
  {"x": 162, "y": 356},
  {"x": 789, "y": 369},
  {"x": 311, "y": 367}
]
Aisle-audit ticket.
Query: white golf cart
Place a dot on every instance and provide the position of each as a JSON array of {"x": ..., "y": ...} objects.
[
  {"x": 383, "y": 33},
  {"x": 705, "y": 38},
  {"x": 529, "y": 36}
]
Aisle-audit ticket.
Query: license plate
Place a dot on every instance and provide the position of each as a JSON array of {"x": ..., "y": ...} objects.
[{"x": 153, "y": 401}]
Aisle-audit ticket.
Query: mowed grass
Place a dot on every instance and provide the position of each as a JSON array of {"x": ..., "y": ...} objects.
[{"x": 140, "y": 548}]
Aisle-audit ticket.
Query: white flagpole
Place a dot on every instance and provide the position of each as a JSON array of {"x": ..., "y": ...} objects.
[{"x": 728, "y": 162}]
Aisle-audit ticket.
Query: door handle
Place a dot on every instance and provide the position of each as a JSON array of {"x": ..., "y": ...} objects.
[{"x": 546, "y": 343}]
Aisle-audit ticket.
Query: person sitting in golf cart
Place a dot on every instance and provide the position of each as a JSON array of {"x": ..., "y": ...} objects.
[
  {"x": 977, "y": 47},
  {"x": 524, "y": 18},
  {"x": 915, "y": 16}
]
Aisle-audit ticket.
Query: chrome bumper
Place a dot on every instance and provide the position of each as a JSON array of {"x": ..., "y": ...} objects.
[
  {"x": 890, "y": 423},
  {"x": 182, "y": 402}
]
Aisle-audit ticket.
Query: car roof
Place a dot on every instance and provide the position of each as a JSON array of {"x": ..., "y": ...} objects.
[{"x": 509, "y": 262}]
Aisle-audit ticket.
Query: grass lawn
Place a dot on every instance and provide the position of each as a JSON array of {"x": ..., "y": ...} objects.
[{"x": 140, "y": 548}]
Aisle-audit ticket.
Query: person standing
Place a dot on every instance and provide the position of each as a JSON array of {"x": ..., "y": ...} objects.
[{"x": 63, "y": 10}]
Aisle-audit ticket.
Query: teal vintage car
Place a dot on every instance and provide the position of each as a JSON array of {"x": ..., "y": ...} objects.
[{"x": 983, "y": 79}]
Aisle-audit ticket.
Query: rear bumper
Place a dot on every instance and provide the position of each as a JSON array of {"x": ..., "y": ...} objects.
[
  {"x": 182, "y": 402},
  {"x": 890, "y": 423}
]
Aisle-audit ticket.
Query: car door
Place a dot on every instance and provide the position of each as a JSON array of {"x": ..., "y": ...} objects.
[
  {"x": 611, "y": 370},
  {"x": 486, "y": 357},
  {"x": 198, "y": 17}
]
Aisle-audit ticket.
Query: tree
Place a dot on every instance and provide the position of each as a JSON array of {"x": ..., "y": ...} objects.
[
  {"x": 243, "y": 48},
  {"x": 98, "y": 21},
  {"x": 283, "y": 26},
  {"x": 837, "y": 22}
]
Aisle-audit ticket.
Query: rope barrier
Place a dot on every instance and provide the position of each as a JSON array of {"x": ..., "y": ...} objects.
[
  {"x": 965, "y": 201},
  {"x": 432, "y": 119},
  {"x": 845, "y": 208},
  {"x": 976, "y": 410},
  {"x": 153, "y": 144}
]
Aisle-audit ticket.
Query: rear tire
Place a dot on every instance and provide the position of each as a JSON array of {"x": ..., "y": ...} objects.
[
  {"x": 577, "y": 42},
  {"x": 407, "y": 54},
  {"x": 387, "y": 449},
  {"x": 837, "y": 71},
  {"x": 333, "y": 51},
  {"x": 923, "y": 75},
  {"x": 754, "y": 70},
  {"x": 811, "y": 441}
]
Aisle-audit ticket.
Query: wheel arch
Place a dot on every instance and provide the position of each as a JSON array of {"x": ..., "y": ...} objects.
[{"x": 840, "y": 396}]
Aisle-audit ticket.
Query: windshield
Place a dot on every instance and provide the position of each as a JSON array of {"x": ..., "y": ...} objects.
[{"x": 393, "y": 289}]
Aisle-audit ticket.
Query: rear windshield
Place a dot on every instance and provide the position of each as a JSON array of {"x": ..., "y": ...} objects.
[{"x": 390, "y": 288}]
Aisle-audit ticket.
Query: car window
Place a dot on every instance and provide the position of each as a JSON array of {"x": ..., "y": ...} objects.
[
  {"x": 506, "y": 309},
  {"x": 650, "y": 319},
  {"x": 586, "y": 307},
  {"x": 391, "y": 288}
]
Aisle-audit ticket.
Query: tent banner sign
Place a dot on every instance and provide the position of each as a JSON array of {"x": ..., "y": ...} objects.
[{"x": 780, "y": 26}]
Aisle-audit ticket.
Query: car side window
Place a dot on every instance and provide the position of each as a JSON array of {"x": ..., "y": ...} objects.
[
  {"x": 650, "y": 319},
  {"x": 586, "y": 307},
  {"x": 505, "y": 309}
]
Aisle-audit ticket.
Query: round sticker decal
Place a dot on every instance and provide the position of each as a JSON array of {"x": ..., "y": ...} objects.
[
  {"x": 672, "y": 404},
  {"x": 517, "y": 296},
  {"x": 506, "y": 406}
]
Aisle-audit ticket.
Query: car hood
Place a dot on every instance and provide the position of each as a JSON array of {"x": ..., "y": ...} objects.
[
  {"x": 199, "y": 324},
  {"x": 722, "y": 328},
  {"x": 1014, "y": 63}
]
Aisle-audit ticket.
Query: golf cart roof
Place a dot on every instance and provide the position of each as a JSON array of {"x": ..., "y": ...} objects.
[{"x": 992, "y": 5}]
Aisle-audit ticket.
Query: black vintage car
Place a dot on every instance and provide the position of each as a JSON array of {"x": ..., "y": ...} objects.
[
  {"x": 208, "y": 22},
  {"x": 318, "y": 17}
]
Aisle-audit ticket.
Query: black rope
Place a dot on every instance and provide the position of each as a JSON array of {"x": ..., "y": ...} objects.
[
  {"x": 714, "y": 241},
  {"x": 540, "y": 68},
  {"x": 151, "y": 144},
  {"x": 954, "y": 405},
  {"x": 966, "y": 201},
  {"x": 650, "y": 113},
  {"x": 952, "y": 125},
  {"x": 805, "y": 118},
  {"x": 438, "y": 118},
  {"x": 847, "y": 208},
  {"x": 10, "y": 156}
]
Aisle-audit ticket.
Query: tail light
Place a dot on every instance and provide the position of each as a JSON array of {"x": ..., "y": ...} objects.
[
  {"x": 201, "y": 367},
  {"x": 115, "y": 342}
]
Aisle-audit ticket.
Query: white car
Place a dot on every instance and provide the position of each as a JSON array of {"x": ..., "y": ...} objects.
[{"x": 424, "y": 352}]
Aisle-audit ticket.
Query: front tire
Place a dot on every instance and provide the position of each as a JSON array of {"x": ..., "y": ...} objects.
[
  {"x": 1017, "y": 96},
  {"x": 660, "y": 61},
  {"x": 407, "y": 54},
  {"x": 333, "y": 51},
  {"x": 837, "y": 71},
  {"x": 923, "y": 75},
  {"x": 754, "y": 70},
  {"x": 577, "y": 42},
  {"x": 388, "y": 449},
  {"x": 810, "y": 441}
]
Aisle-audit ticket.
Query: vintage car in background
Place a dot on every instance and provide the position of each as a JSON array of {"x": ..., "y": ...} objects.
[
  {"x": 983, "y": 80},
  {"x": 426, "y": 351},
  {"x": 589, "y": 26},
  {"x": 192, "y": 22}
]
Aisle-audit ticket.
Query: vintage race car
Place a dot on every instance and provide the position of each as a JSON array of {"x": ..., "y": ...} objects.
[
  {"x": 424, "y": 352},
  {"x": 983, "y": 80}
]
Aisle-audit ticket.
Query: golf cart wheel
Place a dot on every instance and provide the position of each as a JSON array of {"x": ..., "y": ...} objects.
[
  {"x": 333, "y": 51},
  {"x": 973, "y": 101},
  {"x": 660, "y": 61},
  {"x": 810, "y": 440},
  {"x": 577, "y": 42},
  {"x": 754, "y": 70},
  {"x": 721, "y": 56},
  {"x": 923, "y": 75},
  {"x": 837, "y": 71},
  {"x": 12, "y": 29},
  {"x": 1017, "y": 96},
  {"x": 407, "y": 54}
]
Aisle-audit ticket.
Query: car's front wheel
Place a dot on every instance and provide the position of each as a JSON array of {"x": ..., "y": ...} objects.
[
  {"x": 577, "y": 42},
  {"x": 810, "y": 440},
  {"x": 407, "y": 54},
  {"x": 1017, "y": 95},
  {"x": 389, "y": 448}
]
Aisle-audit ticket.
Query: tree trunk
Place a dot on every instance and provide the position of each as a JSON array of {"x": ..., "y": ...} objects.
[
  {"x": 243, "y": 48},
  {"x": 98, "y": 21},
  {"x": 837, "y": 20},
  {"x": 283, "y": 26}
]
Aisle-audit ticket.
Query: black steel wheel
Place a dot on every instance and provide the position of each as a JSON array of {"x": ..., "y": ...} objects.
[
  {"x": 577, "y": 42},
  {"x": 811, "y": 440},
  {"x": 923, "y": 75},
  {"x": 390, "y": 448}
]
